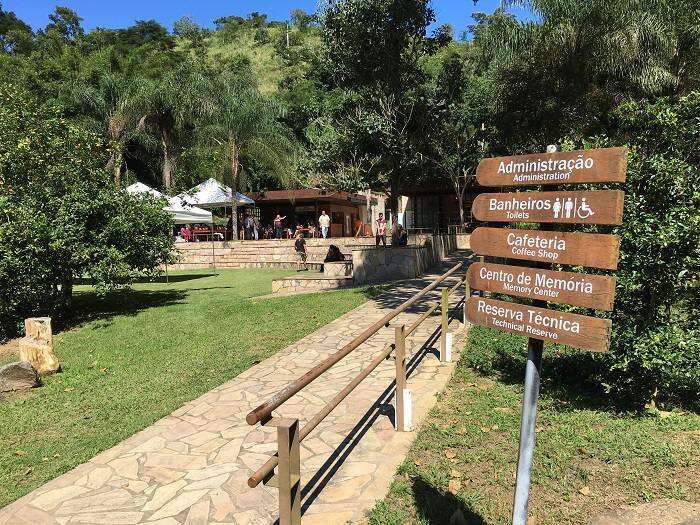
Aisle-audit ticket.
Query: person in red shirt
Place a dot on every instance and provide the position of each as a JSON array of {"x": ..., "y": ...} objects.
[
  {"x": 278, "y": 225},
  {"x": 381, "y": 230}
]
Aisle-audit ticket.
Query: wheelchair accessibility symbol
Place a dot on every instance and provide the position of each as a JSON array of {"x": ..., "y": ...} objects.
[{"x": 568, "y": 208}]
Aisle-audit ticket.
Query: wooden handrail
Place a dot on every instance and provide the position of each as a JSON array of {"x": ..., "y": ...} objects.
[
  {"x": 450, "y": 291},
  {"x": 434, "y": 306},
  {"x": 264, "y": 411},
  {"x": 271, "y": 463}
]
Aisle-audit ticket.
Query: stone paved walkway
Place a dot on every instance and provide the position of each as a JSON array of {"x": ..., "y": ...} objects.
[{"x": 191, "y": 467}]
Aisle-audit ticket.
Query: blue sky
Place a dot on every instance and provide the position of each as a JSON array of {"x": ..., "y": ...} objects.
[{"x": 99, "y": 13}]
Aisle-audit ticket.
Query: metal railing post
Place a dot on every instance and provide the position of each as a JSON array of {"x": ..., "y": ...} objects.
[
  {"x": 400, "y": 352},
  {"x": 289, "y": 474},
  {"x": 444, "y": 310}
]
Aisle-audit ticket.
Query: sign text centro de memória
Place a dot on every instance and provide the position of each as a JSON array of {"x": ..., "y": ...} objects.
[
  {"x": 578, "y": 289},
  {"x": 569, "y": 167},
  {"x": 585, "y": 249},
  {"x": 578, "y": 207},
  {"x": 575, "y": 330}
]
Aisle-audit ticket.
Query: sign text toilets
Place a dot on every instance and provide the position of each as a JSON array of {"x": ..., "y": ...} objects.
[{"x": 579, "y": 207}]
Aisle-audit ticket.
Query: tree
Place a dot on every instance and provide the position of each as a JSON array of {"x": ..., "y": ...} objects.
[
  {"x": 301, "y": 19},
  {"x": 244, "y": 125},
  {"x": 60, "y": 218},
  {"x": 66, "y": 23},
  {"x": 107, "y": 96},
  {"x": 443, "y": 35},
  {"x": 456, "y": 138},
  {"x": 15, "y": 35},
  {"x": 655, "y": 350},
  {"x": 256, "y": 19},
  {"x": 169, "y": 106},
  {"x": 374, "y": 49},
  {"x": 146, "y": 32},
  {"x": 568, "y": 69},
  {"x": 194, "y": 34}
]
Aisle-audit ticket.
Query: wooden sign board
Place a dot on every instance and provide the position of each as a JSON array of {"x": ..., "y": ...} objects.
[
  {"x": 578, "y": 207},
  {"x": 585, "y": 249},
  {"x": 579, "y": 331},
  {"x": 568, "y": 167},
  {"x": 577, "y": 289}
]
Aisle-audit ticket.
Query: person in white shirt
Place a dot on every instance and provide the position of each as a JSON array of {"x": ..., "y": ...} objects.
[{"x": 324, "y": 221}]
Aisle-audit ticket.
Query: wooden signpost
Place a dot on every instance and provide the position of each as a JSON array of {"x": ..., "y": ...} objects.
[
  {"x": 594, "y": 165},
  {"x": 577, "y": 207},
  {"x": 580, "y": 331},
  {"x": 577, "y": 289},
  {"x": 546, "y": 247},
  {"x": 580, "y": 249}
]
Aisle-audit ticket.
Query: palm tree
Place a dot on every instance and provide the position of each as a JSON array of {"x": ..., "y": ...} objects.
[
  {"x": 564, "y": 71},
  {"x": 169, "y": 107},
  {"x": 104, "y": 95},
  {"x": 623, "y": 45},
  {"x": 244, "y": 126}
]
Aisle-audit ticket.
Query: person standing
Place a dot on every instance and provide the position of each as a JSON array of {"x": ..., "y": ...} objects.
[
  {"x": 381, "y": 230},
  {"x": 324, "y": 221},
  {"x": 300, "y": 248},
  {"x": 256, "y": 228},
  {"x": 278, "y": 225},
  {"x": 248, "y": 226}
]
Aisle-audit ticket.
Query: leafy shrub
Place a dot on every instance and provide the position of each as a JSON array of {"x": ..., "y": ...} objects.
[
  {"x": 60, "y": 216},
  {"x": 655, "y": 347}
]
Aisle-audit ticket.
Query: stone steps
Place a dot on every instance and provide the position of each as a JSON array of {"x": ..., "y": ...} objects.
[{"x": 290, "y": 264}]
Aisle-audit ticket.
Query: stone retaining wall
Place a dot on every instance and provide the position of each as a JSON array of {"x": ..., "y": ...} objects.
[
  {"x": 463, "y": 241},
  {"x": 308, "y": 283},
  {"x": 401, "y": 262},
  {"x": 337, "y": 269}
]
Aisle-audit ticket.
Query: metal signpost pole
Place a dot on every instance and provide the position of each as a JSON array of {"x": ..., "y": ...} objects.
[{"x": 528, "y": 420}]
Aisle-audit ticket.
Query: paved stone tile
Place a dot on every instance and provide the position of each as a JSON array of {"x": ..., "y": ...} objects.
[{"x": 191, "y": 467}]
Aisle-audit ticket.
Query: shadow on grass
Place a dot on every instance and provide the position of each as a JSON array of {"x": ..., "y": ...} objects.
[
  {"x": 440, "y": 508},
  {"x": 163, "y": 279},
  {"x": 179, "y": 278},
  {"x": 569, "y": 379},
  {"x": 90, "y": 306}
]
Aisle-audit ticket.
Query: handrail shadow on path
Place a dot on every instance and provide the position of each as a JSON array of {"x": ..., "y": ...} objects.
[{"x": 380, "y": 408}]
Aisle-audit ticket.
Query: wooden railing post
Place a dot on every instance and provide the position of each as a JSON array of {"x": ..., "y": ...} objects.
[
  {"x": 289, "y": 474},
  {"x": 444, "y": 310},
  {"x": 400, "y": 352},
  {"x": 467, "y": 295}
]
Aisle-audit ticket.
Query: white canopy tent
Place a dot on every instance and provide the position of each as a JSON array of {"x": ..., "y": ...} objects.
[
  {"x": 186, "y": 214},
  {"x": 212, "y": 194},
  {"x": 182, "y": 212}
]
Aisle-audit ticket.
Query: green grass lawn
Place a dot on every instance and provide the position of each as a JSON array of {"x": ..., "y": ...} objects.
[
  {"x": 136, "y": 356},
  {"x": 590, "y": 456}
]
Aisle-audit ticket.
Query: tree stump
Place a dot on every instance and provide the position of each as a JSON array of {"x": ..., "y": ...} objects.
[{"x": 37, "y": 346}]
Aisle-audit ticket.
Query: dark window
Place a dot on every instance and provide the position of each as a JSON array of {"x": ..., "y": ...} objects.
[{"x": 426, "y": 211}]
